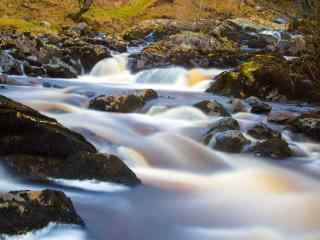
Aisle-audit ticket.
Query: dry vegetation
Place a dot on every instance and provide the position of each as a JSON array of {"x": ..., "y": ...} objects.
[{"x": 115, "y": 15}]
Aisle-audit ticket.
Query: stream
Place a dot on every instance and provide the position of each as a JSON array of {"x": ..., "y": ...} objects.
[{"x": 189, "y": 190}]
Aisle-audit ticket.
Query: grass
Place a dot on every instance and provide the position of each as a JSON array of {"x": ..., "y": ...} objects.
[{"x": 116, "y": 15}]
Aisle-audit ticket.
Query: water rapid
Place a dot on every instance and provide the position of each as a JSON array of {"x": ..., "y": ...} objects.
[{"x": 189, "y": 190}]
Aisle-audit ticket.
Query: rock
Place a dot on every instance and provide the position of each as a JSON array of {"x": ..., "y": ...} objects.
[
  {"x": 60, "y": 69},
  {"x": 187, "y": 49},
  {"x": 80, "y": 166},
  {"x": 281, "y": 117},
  {"x": 257, "y": 106},
  {"x": 25, "y": 211},
  {"x": 274, "y": 148},
  {"x": 243, "y": 31},
  {"x": 309, "y": 124},
  {"x": 89, "y": 54},
  {"x": 222, "y": 125},
  {"x": 265, "y": 76},
  {"x": 34, "y": 71},
  {"x": 9, "y": 65},
  {"x": 123, "y": 103},
  {"x": 212, "y": 108},
  {"x": 160, "y": 28},
  {"x": 81, "y": 28},
  {"x": 238, "y": 30},
  {"x": 237, "y": 105},
  {"x": 231, "y": 141},
  {"x": 39, "y": 148},
  {"x": 292, "y": 46},
  {"x": 262, "y": 131}
]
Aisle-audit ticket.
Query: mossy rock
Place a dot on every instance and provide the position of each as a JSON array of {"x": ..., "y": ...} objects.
[{"x": 265, "y": 76}]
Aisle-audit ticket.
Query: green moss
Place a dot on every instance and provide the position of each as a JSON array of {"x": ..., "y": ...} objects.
[
  {"x": 133, "y": 8},
  {"x": 25, "y": 26},
  {"x": 247, "y": 70}
]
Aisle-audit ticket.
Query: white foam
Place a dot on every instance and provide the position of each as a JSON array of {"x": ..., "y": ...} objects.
[{"x": 91, "y": 185}]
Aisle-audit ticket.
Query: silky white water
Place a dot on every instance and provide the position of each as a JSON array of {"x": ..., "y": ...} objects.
[{"x": 189, "y": 190}]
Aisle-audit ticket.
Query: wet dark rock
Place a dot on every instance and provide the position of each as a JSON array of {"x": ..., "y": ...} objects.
[
  {"x": 124, "y": 103},
  {"x": 281, "y": 117},
  {"x": 160, "y": 28},
  {"x": 245, "y": 33},
  {"x": 237, "y": 105},
  {"x": 9, "y": 65},
  {"x": 71, "y": 49},
  {"x": 222, "y": 125},
  {"x": 265, "y": 76},
  {"x": 239, "y": 30},
  {"x": 262, "y": 131},
  {"x": 187, "y": 49},
  {"x": 25, "y": 211},
  {"x": 309, "y": 124},
  {"x": 59, "y": 69},
  {"x": 212, "y": 108},
  {"x": 231, "y": 141},
  {"x": 274, "y": 148},
  {"x": 257, "y": 106},
  {"x": 38, "y": 147},
  {"x": 34, "y": 71},
  {"x": 80, "y": 166},
  {"x": 89, "y": 54}
]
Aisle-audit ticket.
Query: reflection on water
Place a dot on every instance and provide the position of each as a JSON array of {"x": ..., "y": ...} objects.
[{"x": 189, "y": 190}]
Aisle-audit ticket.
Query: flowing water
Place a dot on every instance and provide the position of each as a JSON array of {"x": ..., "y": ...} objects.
[{"x": 189, "y": 190}]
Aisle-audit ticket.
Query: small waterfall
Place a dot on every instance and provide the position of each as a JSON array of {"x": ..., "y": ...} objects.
[
  {"x": 110, "y": 66},
  {"x": 172, "y": 75}
]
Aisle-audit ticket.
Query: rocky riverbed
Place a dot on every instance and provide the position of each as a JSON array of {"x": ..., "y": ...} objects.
[{"x": 172, "y": 129}]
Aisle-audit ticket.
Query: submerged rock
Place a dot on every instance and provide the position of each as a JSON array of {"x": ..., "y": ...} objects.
[
  {"x": 24, "y": 211},
  {"x": 124, "y": 103},
  {"x": 262, "y": 131},
  {"x": 231, "y": 141},
  {"x": 274, "y": 148},
  {"x": 38, "y": 147},
  {"x": 212, "y": 108}
]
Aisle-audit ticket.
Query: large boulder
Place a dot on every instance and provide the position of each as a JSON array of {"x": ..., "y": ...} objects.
[
  {"x": 38, "y": 147},
  {"x": 265, "y": 76},
  {"x": 24, "y": 211},
  {"x": 123, "y": 103},
  {"x": 188, "y": 49}
]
